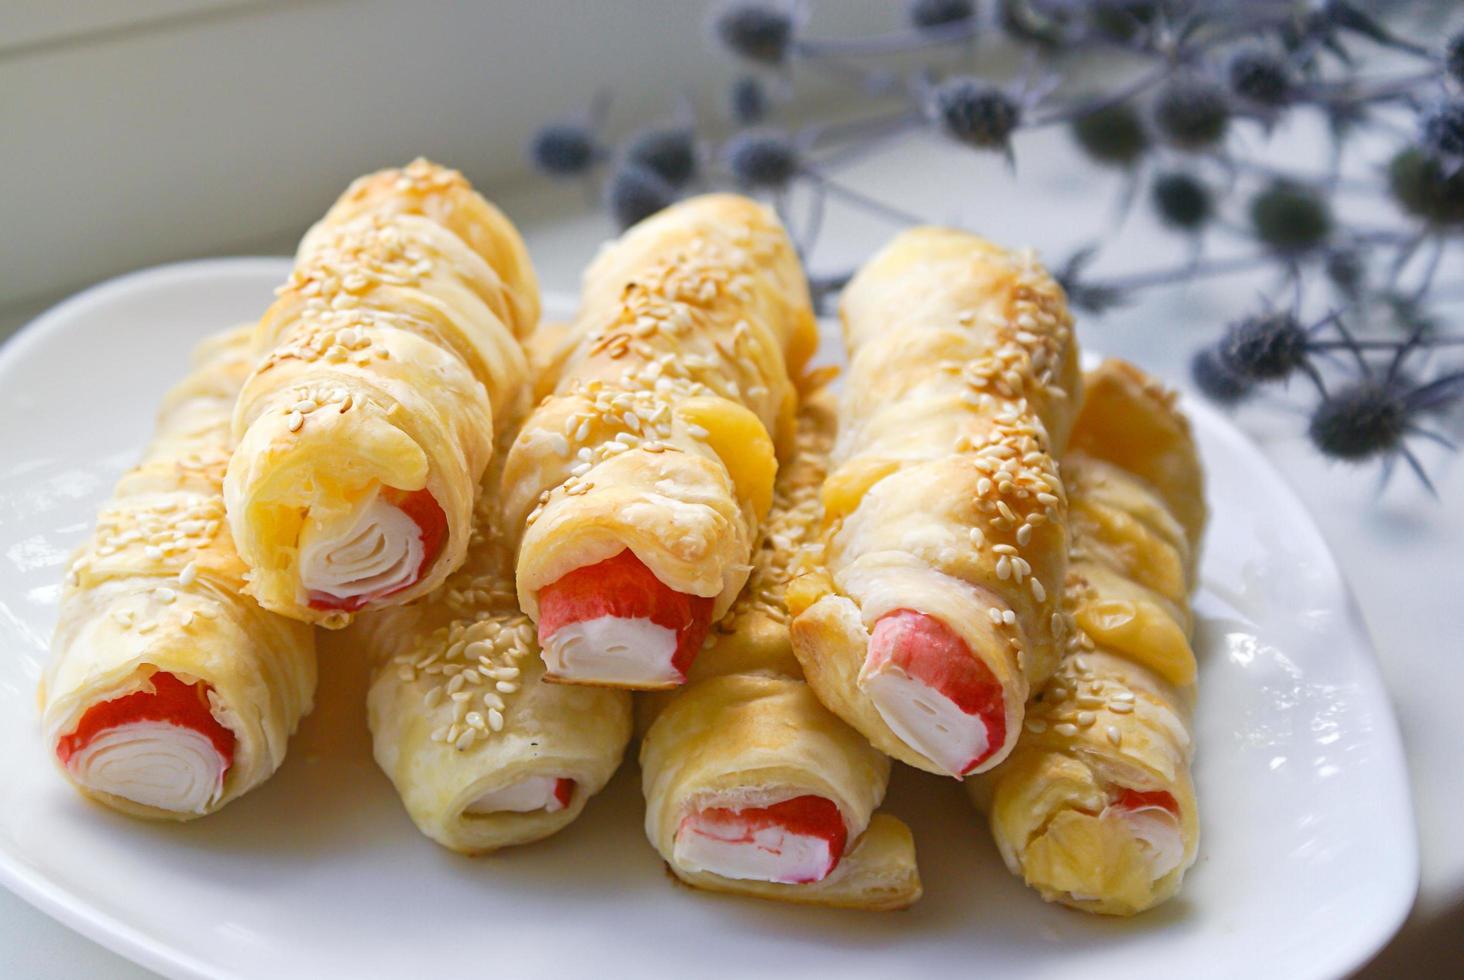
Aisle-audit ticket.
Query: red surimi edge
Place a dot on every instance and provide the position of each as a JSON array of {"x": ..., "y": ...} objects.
[
  {"x": 807, "y": 816},
  {"x": 623, "y": 587},
  {"x": 563, "y": 791},
  {"x": 172, "y": 701},
  {"x": 930, "y": 651},
  {"x": 1132, "y": 799},
  {"x": 430, "y": 519}
]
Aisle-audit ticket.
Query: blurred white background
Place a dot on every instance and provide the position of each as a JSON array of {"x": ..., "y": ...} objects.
[{"x": 134, "y": 132}]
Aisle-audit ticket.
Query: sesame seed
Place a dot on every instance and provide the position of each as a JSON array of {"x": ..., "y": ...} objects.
[
  {"x": 495, "y": 719},
  {"x": 1038, "y": 592},
  {"x": 188, "y": 575},
  {"x": 164, "y": 594},
  {"x": 1120, "y": 707},
  {"x": 1086, "y": 718},
  {"x": 1114, "y": 735},
  {"x": 1009, "y": 617},
  {"x": 1123, "y": 696},
  {"x": 294, "y": 421},
  {"x": 1066, "y": 728}
]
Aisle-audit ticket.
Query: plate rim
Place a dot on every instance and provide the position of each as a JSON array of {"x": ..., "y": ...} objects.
[{"x": 153, "y": 953}]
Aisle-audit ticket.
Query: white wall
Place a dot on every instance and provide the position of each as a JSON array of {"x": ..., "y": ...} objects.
[{"x": 140, "y": 131}]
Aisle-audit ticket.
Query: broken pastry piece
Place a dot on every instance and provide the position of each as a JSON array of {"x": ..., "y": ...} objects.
[
  {"x": 368, "y": 422},
  {"x": 752, "y": 786},
  {"x": 641, "y": 481},
  {"x": 930, "y": 612},
  {"x": 169, "y": 692},
  {"x": 1095, "y": 808}
]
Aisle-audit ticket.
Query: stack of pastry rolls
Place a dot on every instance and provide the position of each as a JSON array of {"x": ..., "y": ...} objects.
[
  {"x": 642, "y": 479},
  {"x": 752, "y": 786},
  {"x": 1095, "y": 808},
  {"x": 368, "y": 422},
  {"x": 169, "y": 692},
  {"x": 931, "y": 610}
]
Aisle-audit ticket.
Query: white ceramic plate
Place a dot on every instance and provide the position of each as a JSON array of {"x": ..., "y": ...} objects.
[{"x": 1308, "y": 861}]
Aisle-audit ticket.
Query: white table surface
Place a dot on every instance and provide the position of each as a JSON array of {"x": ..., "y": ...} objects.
[{"x": 1402, "y": 551}]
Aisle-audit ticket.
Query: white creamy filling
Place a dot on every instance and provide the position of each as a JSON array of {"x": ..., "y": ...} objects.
[
  {"x": 374, "y": 550},
  {"x": 925, "y": 719},
  {"x": 524, "y": 796},
  {"x": 1157, "y": 831},
  {"x": 769, "y": 854},
  {"x": 613, "y": 650},
  {"x": 155, "y": 763}
]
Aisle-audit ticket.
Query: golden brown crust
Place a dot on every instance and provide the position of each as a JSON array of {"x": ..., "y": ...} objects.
[
  {"x": 160, "y": 587},
  {"x": 1116, "y": 714},
  {"x": 945, "y": 497}
]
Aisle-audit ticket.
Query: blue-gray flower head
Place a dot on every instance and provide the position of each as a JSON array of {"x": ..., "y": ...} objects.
[
  {"x": 932, "y": 14},
  {"x": 634, "y": 192},
  {"x": 1366, "y": 418},
  {"x": 1266, "y": 346},
  {"x": 1421, "y": 186},
  {"x": 1454, "y": 58},
  {"x": 1261, "y": 76},
  {"x": 1347, "y": 271},
  {"x": 1192, "y": 113},
  {"x": 1216, "y": 381},
  {"x": 748, "y": 101},
  {"x": 1441, "y": 129},
  {"x": 1290, "y": 218},
  {"x": 1183, "y": 202},
  {"x": 669, "y": 151},
  {"x": 1122, "y": 20},
  {"x": 974, "y": 112},
  {"x": 564, "y": 149},
  {"x": 761, "y": 159},
  {"x": 1113, "y": 135},
  {"x": 761, "y": 32}
]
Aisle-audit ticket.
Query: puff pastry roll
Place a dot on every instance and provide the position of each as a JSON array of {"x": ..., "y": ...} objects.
[
  {"x": 483, "y": 752},
  {"x": 752, "y": 786},
  {"x": 930, "y": 610},
  {"x": 641, "y": 481},
  {"x": 169, "y": 692},
  {"x": 1095, "y": 807},
  {"x": 367, "y": 425}
]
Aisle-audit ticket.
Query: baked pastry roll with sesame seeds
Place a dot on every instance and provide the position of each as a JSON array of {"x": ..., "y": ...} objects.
[
  {"x": 752, "y": 786},
  {"x": 368, "y": 423},
  {"x": 482, "y": 750},
  {"x": 1095, "y": 808},
  {"x": 169, "y": 692},
  {"x": 640, "y": 482},
  {"x": 929, "y": 609}
]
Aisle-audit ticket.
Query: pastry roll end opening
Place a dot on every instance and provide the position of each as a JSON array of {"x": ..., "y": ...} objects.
[
  {"x": 933, "y": 693},
  {"x": 794, "y": 841},
  {"x": 383, "y": 545},
  {"x": 548, "y": 794},
  {"x": 160, "y": 746},
  {"x": 615, "y": 624}
]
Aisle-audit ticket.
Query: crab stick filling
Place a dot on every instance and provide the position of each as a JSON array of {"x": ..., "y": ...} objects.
[
  {"x": 161, "y": 748},
  {"x": 794, "y": 842},
  {"x": 547, "y": 793},
  {"x": 1152, "y": 819},
  {"x": 932, "y": 693},
  {"x": 615, "y": 623},
  {"x": 384, "y": 545}
]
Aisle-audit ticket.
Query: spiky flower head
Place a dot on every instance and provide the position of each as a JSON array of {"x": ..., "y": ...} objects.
[
  {"x": 1366, "y": 418},
  {"x": 974, "y": 111},
  {"x": 1266, "y": 346},
  {"x": 564, "y": 149},
  {"x": 748, "y": 101},
  {"x": 1113, "y": 135},
  {"x": 1183, "y": 202},
  {"x": 1421, "y": 186},
  {"x": 928, "y": 15},
  {"x": 635, "y": 192},
  {"x": 1261, "y": 76},
  {"x": 762, "y": 159},
  {"x": 1192, "y": 113},
  {"x": 1290, "y": 218},
  {"x": 1216, "y": 380},
  {"x": 669, "y": 151},
  {"x": 760, "y": 32}
]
